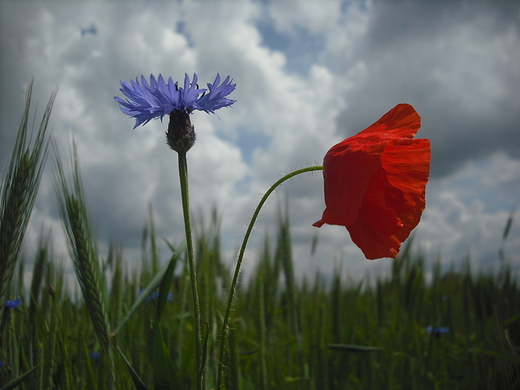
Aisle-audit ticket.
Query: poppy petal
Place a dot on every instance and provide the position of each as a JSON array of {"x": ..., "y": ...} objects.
[
  {"x": 407, "y": 168},
  {"x": 401, "y": 121},
  {"x": 373, "y": 245},
  {"x": 375, "y": 182},
  {"x": 345, "y": 188}
]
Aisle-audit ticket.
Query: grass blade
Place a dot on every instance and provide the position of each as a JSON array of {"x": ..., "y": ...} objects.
[
  {"x": 138, "y": 382},
  {"x": 164, "y": 370},
  {"x": 20, "y": 379},
  {"x": 352, "y": 348},
  {"x": 156, "y": 281},
  {"x": 164, "y": 287}
]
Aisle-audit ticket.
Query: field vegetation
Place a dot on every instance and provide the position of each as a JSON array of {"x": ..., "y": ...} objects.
[{"x": 132, "y": 327}]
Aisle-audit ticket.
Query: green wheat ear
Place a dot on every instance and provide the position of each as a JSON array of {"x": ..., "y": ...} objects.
[
  {"x": 81, "y": 245},
  {"x": 18, "y": 191}
]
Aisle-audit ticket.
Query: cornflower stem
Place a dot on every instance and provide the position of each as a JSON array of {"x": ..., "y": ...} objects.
[
  {"x": 239, "y": 264},
  {"x": 183, "y": 174}
]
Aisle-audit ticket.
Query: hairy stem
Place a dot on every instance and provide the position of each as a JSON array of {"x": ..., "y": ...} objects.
[
  {"x": 239, "y": 264},
  {"x": 183, "y": 174}
]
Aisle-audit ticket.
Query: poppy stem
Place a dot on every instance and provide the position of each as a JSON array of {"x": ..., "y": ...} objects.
[
  {"x": 239, "y": 263},
  {"x": 183, "y": 174}
]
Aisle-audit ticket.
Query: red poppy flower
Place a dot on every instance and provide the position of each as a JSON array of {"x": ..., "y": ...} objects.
[{"x": 375, "y": 182}]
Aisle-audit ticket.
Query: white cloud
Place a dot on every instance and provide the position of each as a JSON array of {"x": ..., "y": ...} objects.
[
  {"x": 364, "y": 66},
  {"x": 466, "y": 212},
  {"x": 316, "y": 17}
]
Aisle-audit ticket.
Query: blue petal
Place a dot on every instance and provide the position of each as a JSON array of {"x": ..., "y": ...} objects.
[
  {"x": 216, "y": 98},
  {"x": 155, "y": 99},
  {"x": 13, "y": 304}
]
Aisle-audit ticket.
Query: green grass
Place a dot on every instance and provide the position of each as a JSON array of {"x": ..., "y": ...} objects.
[
  {"x": 122, "y": 329},
  {"x": 308, "y": 335}
]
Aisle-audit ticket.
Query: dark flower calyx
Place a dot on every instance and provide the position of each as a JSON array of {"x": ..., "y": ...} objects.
[{"x": 181, "y": 133}]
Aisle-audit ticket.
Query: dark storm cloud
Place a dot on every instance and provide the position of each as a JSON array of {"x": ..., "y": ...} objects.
[{"x": 458, "y": 64}]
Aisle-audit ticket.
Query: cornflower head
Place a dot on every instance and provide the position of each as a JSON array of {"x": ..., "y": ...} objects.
[
  {"x": 94, "y": 355},
  {"x": 13, "y": 304},
  {"x": 437, "y": 331},
  {"x": 146, "y": 101},
  {"x": 155, "y": 295}
]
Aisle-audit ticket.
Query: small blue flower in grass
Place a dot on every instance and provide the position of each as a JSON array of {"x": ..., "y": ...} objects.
[
  {"x": 13, "y": 304},
  {"x": 147, "y": 101},
  {"x": 155, "y": 295},
  {"x": 94, "y": 355},
  {"x": 437, "y": 330}
]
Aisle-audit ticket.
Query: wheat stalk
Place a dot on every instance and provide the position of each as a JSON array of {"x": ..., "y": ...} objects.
[
  {"x": 18, "y": 192},
  {"x": 81, "y": 245}
]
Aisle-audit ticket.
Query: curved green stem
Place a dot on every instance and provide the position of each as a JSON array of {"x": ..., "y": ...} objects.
[
  {"x": 239, "y": 263},
  {"x": 183, "y": 174}
]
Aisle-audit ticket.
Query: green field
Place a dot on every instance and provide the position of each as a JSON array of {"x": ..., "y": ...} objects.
[{"x": 134, "y": 329}]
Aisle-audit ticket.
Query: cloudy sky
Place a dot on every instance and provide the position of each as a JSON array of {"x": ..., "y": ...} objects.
[{"x": 308, "y": 75}]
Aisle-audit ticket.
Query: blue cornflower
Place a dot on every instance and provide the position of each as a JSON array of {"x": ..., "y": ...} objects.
[
  {"x": 147, "y": 101},
  {"x": 13, "y": 304},
  {"x": 437, "y": 330},
  {"x": 155, "y": 295}
]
